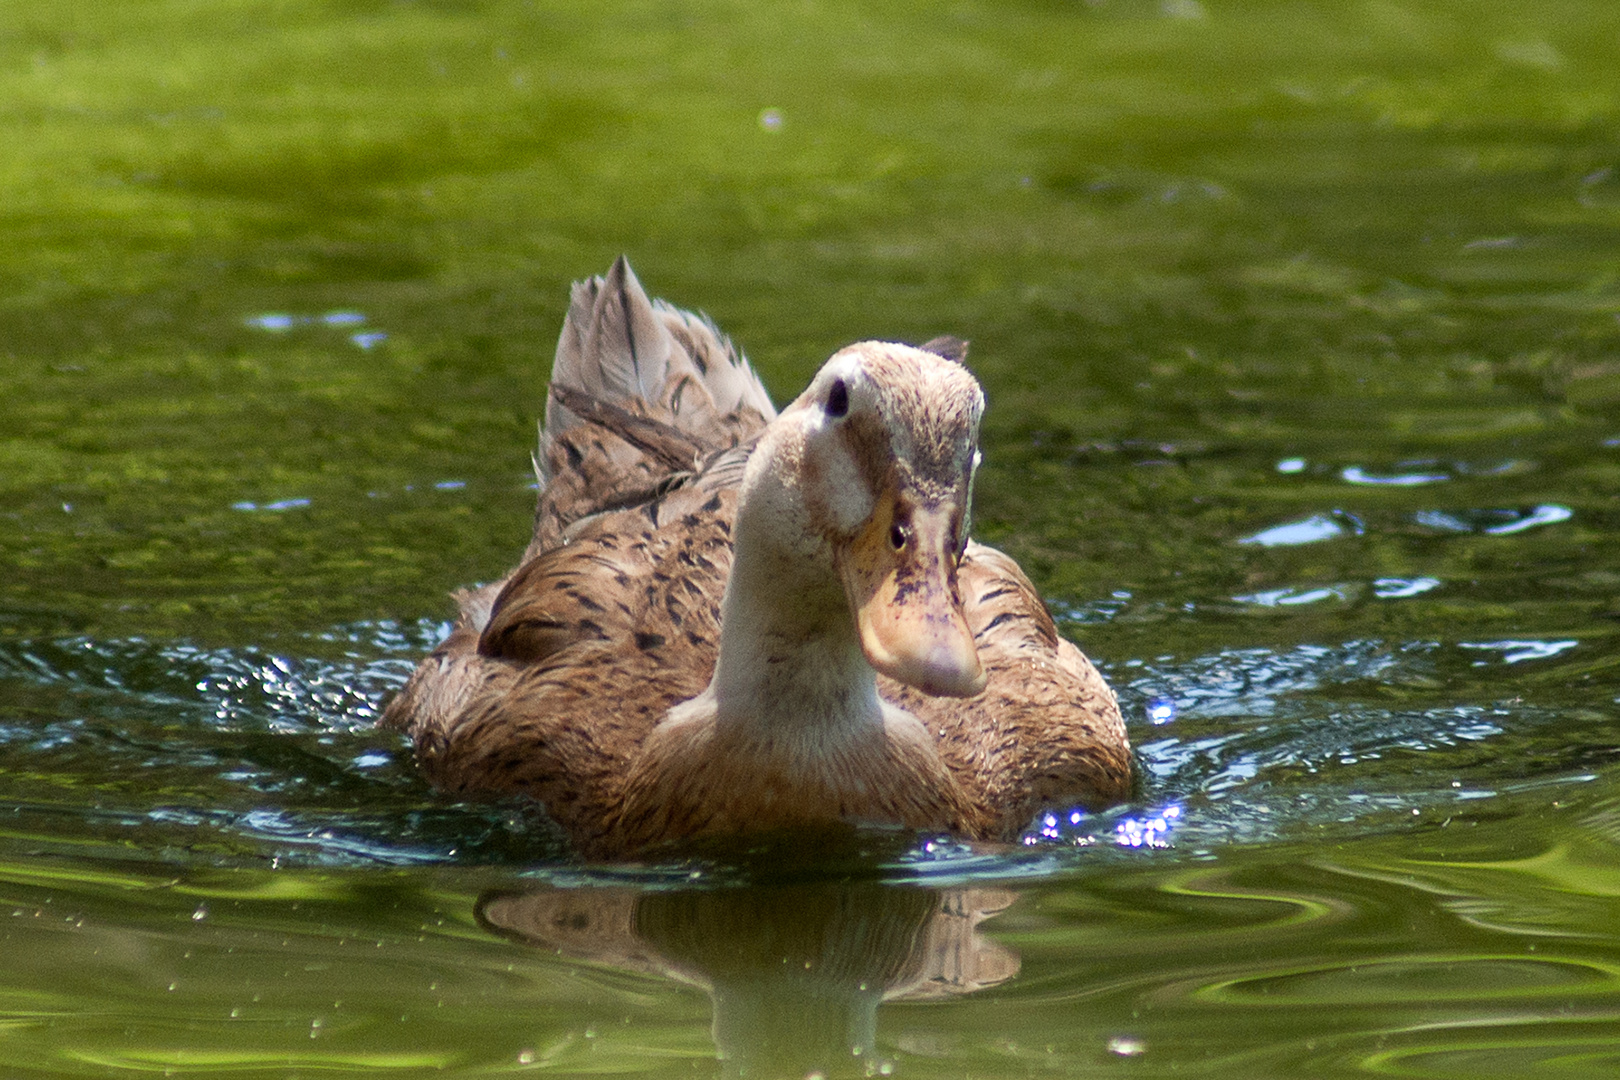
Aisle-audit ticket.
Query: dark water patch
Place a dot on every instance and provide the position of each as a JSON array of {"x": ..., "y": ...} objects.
[{"x": 231, "y": 754}]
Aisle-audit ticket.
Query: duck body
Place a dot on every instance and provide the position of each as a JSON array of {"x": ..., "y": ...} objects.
[{"x": 730, "y": 620}]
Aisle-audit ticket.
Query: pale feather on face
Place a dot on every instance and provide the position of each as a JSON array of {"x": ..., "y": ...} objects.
[
  {"x": 872, "y": 468},
  {"x": 909, "y": 423}
]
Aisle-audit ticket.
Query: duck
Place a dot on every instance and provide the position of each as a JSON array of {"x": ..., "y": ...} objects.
[{"x": 732, "y": 620}]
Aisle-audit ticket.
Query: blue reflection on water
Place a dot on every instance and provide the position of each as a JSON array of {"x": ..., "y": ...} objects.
[
  {"x": 1390, "y": 588},
  {"x": 277, "y": 506},
  {"x": 1493, "y": 522},
  {"x": 1355, "y": 474},
  {"x": 1293, "y": 597},
  {"x": 1151, "y": 829},
  {"x": 1315, "y": 528},
  {"x": 1516, "y": 651}
]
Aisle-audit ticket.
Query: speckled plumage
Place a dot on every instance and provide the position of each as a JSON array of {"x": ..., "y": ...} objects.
[{"x": 553, "y": 680}]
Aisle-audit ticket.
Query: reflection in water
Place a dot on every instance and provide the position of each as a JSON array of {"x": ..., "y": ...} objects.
[
  {"x": 1493, "y": 522},
  {"x": 1309, "y": 531},
  {"x": 1355, "y": 474},
  {"x": 795, "y": 972}
]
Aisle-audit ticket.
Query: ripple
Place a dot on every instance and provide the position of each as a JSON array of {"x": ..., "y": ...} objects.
[
  {"x": 1400, "y": 588},
  {"x": 1443, "y": 977},
  {"x": 1295, "y": 597},
  {"x": 1514, "y": 652},
  {"x": 273, "y": 322},
  {"x": 1508, "y": 1046},
  {"x": 230, "y": 754},
  {"x": 1233, "y": 682},
  {"x": 251, "y": 752},
  {"x": 1265, "y": 743},
  {"x": 1314, "y": 529},
  {"x": 1355, "y": 474},
  {"x": 1493, "y": 522}
]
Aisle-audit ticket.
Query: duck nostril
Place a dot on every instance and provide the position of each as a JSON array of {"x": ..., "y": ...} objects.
[{"x": 897, "y": 535}]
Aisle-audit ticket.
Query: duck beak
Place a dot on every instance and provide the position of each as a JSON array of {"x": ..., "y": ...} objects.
[{"x": 905, "y": 603}]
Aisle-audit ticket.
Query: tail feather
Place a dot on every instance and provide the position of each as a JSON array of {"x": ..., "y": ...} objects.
[
  {"x": 710, "y": 357},
  {"x": 619, "y": 346},
  {"x": 613, "y": 345},
  {"x": 627, "y": 358}
]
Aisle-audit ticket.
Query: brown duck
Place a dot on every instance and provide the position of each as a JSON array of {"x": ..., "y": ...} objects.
[{"x": 731, "y": 619}]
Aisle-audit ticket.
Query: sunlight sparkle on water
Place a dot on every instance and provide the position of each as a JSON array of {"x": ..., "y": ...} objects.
[
  {"x": 273, "y": 322},
  {"x": 1152, "y": 832},
  {"x": 1355, "y": 474},
  {"x": 1125, "y": 1046},
  {"x": 1545, "y": 514},
  {"x": 1315, "y": 528},
  {"x": 1149, "y": 830},
  {"x": 1292, "y": 597},
  {"x": 277, "y": 506},
  {"x": 1493, "y": 522},
  {"x": 1395, "y": 588},
  {"x": 279, "y": 322},
  {"x": 1515, "y": 651}
]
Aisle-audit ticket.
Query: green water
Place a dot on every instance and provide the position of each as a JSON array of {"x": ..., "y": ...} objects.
[{"x": 1300, "y": 325}]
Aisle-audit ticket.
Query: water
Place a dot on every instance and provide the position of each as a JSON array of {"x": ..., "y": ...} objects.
[{"x": 1298, "y": 325}]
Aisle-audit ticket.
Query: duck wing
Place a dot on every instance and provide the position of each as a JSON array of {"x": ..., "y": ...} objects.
[{"x": 586, "y": 647}]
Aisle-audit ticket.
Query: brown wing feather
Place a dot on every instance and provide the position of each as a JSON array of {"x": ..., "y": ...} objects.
[{"x": 587, "y": 646}]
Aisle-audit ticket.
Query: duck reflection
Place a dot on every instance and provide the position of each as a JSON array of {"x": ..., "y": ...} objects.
[{"x": 796, "y": 972}]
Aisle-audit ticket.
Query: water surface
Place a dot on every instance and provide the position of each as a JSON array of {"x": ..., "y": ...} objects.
[{"x": 1299, "y": 325}]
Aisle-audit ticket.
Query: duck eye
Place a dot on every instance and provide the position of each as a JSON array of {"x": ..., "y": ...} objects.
[
  {"x": 897, "y": 536},
  {"x": 838, "y": 399}
]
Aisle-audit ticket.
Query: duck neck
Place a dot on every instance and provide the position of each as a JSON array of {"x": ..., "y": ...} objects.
[{"x": 790, "y": 657}]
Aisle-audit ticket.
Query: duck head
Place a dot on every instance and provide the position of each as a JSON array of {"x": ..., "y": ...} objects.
[{"x": 871, "y": 470}]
